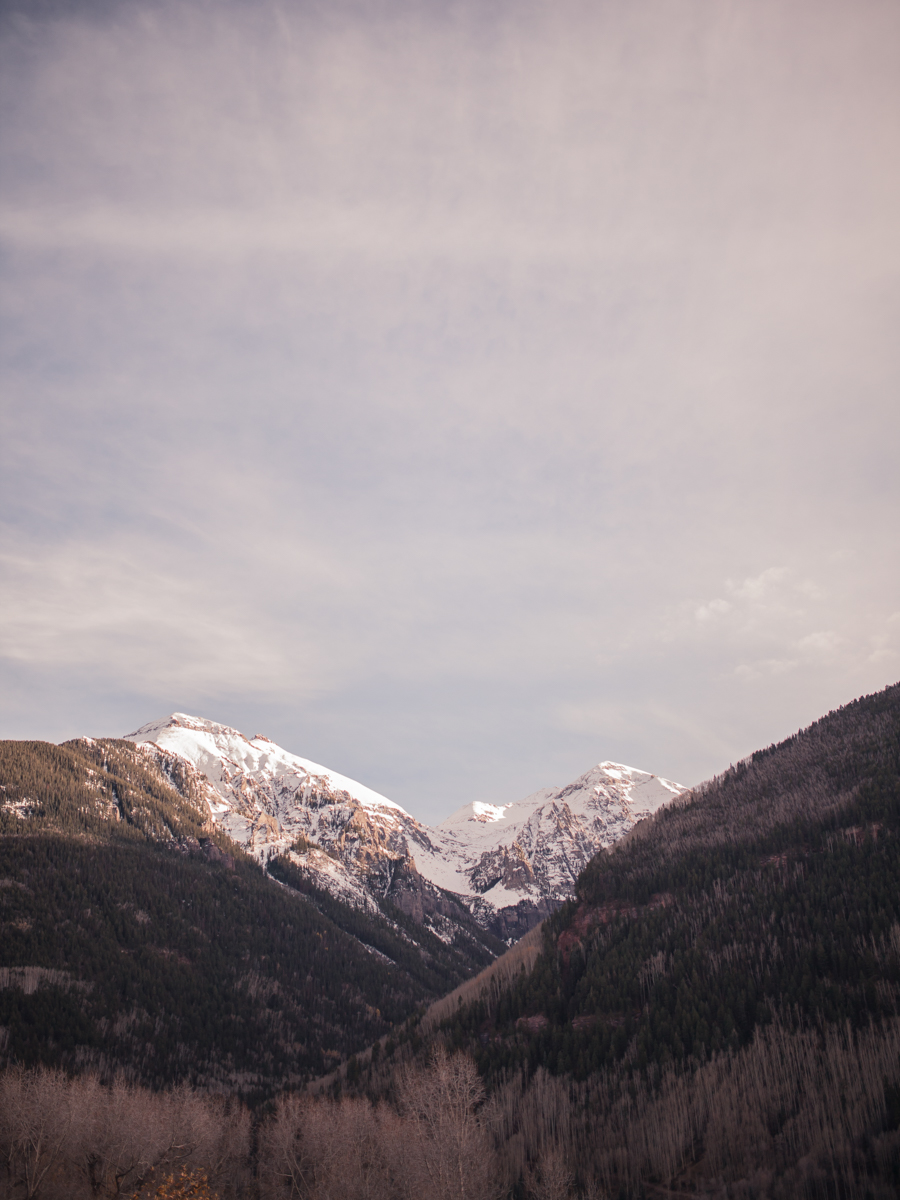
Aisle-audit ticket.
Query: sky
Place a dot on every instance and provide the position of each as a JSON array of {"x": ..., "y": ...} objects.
[{"x": 459, "y": 394}]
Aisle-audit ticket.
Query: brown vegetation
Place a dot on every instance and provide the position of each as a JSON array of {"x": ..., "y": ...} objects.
[
  {"x": 72, "y": 1138},
  {"x": 492, "y": 980},
  {"x": 795, "y": 1114},
  {"x": 792, "y": 1115},
  {"x": 436, "y": 1142}
]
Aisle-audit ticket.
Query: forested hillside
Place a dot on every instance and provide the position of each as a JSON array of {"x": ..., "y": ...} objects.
[
  {"x": 718, "y": 1006},
  {"x": 134, "y": 936},
  {"x": 773, "y": 889}
]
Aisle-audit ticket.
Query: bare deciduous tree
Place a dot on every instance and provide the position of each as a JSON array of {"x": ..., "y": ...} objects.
[
  {"x": 448, "y": 1149},
  {"x": 327, "y": 1151},
  {"x": 286, "y": 1166},
  {"x": 62, "y": 1139},
  {"x": 38, "y": 1124},
  {"x": 551, "y": 1179}
]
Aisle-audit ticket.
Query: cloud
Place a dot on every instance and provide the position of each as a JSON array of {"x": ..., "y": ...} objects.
[
  {"x": 400, "y": 378},
  {"x": 114, "y": 612},
  {"x": 760, "y": 586},
  {"x": 823, "y": 641},
  {"x": 886, "y": 643},
  {"x": 714, "y": 608},
  {"x": 765, "y": 667}
]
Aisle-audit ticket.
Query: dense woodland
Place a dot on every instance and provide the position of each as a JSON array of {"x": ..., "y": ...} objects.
[
  {"x": 715, "y": 1013},
  {"x": 708, "y": 921}
]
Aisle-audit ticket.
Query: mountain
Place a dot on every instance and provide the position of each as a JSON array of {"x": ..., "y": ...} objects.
[
  {"x": 715, "y": 1012},
  {"x": 509, "y": 865},
  {"x": 529, "y": 854},
  {"x": 136, "y": 936},
  {"x": 166, "y": 901}
]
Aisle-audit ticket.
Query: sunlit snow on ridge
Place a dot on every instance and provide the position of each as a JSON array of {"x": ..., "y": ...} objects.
[
  {"x": 206, "y": 743},
  {"x": 638, "y": 793}
]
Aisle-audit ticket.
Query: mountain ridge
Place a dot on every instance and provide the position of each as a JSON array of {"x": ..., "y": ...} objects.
[
  {"x": 136, "y": 936},
  {"x": 510, "y": 864}
]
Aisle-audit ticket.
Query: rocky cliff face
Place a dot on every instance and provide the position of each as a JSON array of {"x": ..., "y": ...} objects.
[
  {"x": 534, "y": 850},
  {"x": 508, "y": 865}
]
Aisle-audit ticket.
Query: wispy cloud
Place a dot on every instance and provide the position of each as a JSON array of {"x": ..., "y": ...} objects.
[{"x": 714, "y": 608}]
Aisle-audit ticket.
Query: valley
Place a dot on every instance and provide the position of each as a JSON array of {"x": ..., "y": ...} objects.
[{"x": 710, "y": 1006}]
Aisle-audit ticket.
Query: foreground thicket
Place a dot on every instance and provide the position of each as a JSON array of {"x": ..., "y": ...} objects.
[
  {"x": 435, "y": 1140},
  {"x": 814, "y": 1115},
  {"x": 63, "y": 1139},
  {"x": 793, "y": 1115}
]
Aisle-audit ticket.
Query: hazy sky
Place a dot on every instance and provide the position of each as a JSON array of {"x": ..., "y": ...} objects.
[{"x": 458, "y": 393}]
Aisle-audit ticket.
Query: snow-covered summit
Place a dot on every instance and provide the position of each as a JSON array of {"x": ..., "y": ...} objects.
[
  {"x": 351, "y": 838},
  {"x": 539, "y": 845},
  {"x": 610, "y": 793},
  {"x": 218, "y": 751}
]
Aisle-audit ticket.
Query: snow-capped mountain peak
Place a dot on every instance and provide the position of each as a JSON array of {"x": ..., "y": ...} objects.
[
  {"x": 626, "y": 788},
  {"x": 486, "y": 813},
  {"x": 214, "y": 749}
]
